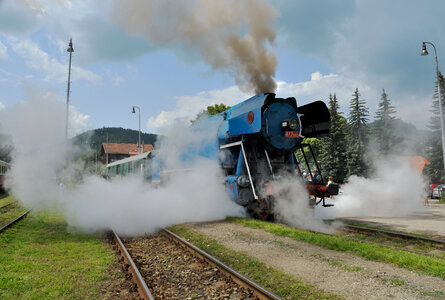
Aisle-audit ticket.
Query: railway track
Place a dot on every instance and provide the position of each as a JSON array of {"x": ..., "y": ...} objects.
[
  {"x": 8, "y": 204},
  {"x": 174, "y": 268},
  {"x": 10, "y": 224},
  {"x": 438, "y": 243},
  {"x": 143, "y": 290}
]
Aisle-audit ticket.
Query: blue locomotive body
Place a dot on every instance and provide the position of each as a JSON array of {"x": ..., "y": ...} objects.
[
  {"x": 255, "y": 143},
  {"x": 258, "y": 139}
]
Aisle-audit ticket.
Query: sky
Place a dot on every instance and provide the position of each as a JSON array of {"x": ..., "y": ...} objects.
[{"x": 169, "y": 57}]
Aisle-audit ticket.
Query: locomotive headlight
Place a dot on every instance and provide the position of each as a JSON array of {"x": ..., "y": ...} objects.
[
  {"x": 243, "y": 181},
  {"x": 293, "y": 124}
]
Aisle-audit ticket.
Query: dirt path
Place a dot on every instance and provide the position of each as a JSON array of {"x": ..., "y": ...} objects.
[{"x": 334, "y": 272}]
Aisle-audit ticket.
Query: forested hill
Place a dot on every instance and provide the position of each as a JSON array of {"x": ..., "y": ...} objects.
[{"x": 95, "y": 138}]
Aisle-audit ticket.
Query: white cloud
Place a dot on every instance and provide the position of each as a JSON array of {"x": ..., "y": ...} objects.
[
  {"x": 78, "y": 122},
  {"x": 54, "y": 70},
  {"x": 86, "y": 21},
  {"x": 320, "y": 86},
  {"x": 41, "y": 111},
  {"x": 410, "y": 107},
  {"x": 118, "y": 80},
  {"x": 3, "y": 51},
  {"x": 187, "y": 107},
  {"x": 41, "y": 6},
  {"x": 378, "y": 41}
]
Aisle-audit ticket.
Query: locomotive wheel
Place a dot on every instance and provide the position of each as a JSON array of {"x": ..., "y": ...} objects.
[{"x": 263, "y": 209}]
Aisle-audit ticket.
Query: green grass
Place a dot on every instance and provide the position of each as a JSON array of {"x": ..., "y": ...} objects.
[
  {"x": 393, "y": 282},
  {"x": 418, "y": 246},
  {"x": 434, "y": 294},
  {"x": 358, "y": 224},
  {"x": 411, "y": 261},
  {"x": 337, "y": 263},
  {"x": 39, "y": 259},
  {"x": 278, "y": 282},
  {"x": 10, "y": 213},
  {"x": 5, "y": 199},
  {"x": 397, "y": 282}
]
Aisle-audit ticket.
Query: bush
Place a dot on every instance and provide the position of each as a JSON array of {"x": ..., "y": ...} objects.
[{"x": 442, "y": 198}]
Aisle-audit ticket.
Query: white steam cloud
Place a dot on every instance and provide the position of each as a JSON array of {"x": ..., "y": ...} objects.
[
  {"x": 42, "y": 176},
  {"x": 292, "y": 206},
  {"x": 38, "y": 145},
  {"x": 229, "y": 35},
  {"x": 396, "y": 189},
  {"x": 194, "y": 192}
]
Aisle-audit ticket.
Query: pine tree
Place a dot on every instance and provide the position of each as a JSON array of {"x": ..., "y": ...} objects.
[
  {"x": 358, "y": 135},
  {"x": 334, "y": 156},
  {"x": 384, "y": 126},
  {"x": 435, "y": 171}
]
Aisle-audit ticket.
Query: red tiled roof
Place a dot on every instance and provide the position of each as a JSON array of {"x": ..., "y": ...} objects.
[{"x": 129, "y": 149}]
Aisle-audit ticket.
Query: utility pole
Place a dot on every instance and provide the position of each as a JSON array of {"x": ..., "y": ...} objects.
[
  {"x": 107, "y": 149},
  {"x": 424, "y": 53},
  {"x": 140, "y": 150},
  {"x": 70, "y": 50}
]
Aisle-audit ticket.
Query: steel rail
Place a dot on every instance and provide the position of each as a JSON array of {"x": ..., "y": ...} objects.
[
  {"x": 15, "y": 221},
  {"x": 7, "y": 204},
  {"x": 396, "y": 234},
  {"x": 143, "y": 290},
  {"x": 243, "y": 281}
]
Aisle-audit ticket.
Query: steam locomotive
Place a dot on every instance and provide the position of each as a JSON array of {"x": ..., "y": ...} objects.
[{"x": 257, "y": 142}]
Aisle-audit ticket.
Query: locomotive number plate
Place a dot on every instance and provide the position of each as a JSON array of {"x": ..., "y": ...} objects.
[{"x": 291, "y": 134}]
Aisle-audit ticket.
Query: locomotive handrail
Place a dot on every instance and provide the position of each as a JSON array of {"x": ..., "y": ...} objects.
[
  {"x": 230, "y": 145},
  {"x": 270, "y": 165},
  {"x": 307, "y": 162},
  {"x": 240, "y": 143},
  {"x": 316, "y": 163}
]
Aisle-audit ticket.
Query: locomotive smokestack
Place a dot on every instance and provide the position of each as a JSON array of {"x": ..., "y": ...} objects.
[{"x": 230, "y": 35}]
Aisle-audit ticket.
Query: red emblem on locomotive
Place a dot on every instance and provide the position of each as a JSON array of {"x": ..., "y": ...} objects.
[{"x": 250, "y": 117}]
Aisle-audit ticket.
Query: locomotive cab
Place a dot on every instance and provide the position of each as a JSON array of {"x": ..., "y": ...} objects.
[{"x": 315, "y": 183}]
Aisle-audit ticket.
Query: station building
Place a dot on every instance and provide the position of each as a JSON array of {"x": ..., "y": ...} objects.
[{"x": 112, "y": 152}]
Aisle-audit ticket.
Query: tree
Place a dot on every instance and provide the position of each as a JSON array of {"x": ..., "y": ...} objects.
[
  {"x": 358, "y": 135},
  {"x": 210, "y": 111},
  {"x": 5, "y": 147},
  {"x": 334, "y": 155},
  {"x": 435, "y": 171},
  {"x": 95, "y": 138},
  {"x": 384, "y": 126}
]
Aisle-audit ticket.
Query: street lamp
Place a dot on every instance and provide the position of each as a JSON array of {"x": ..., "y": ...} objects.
[
  {"x": 424, "y": 53},
  {"x": 70, "y": 50},
  {"x": 133, "y": 112}
]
